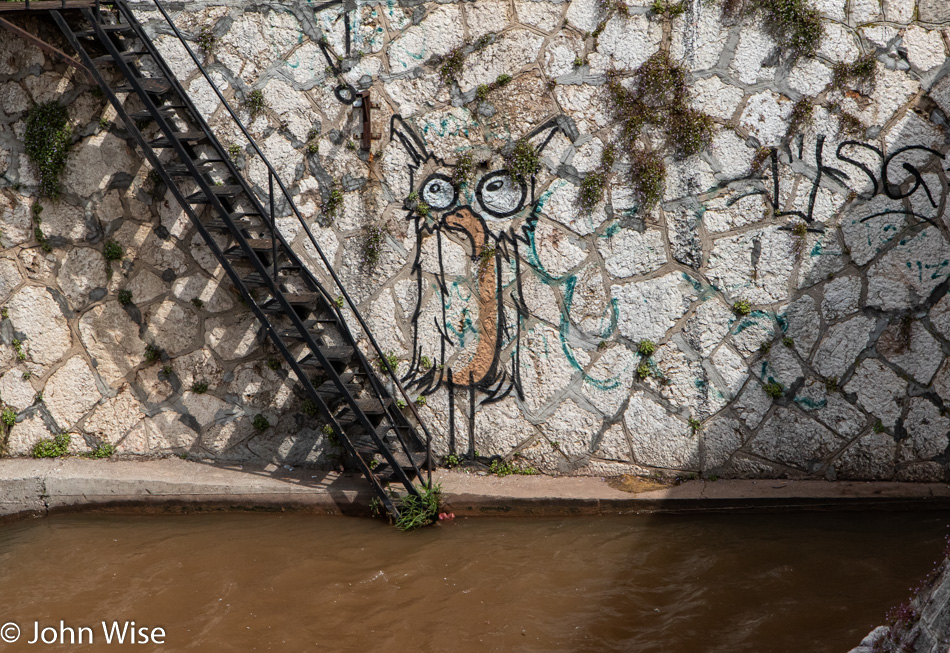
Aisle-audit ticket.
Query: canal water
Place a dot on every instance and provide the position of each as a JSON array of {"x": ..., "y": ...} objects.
[{"x": 291, "y": 582}]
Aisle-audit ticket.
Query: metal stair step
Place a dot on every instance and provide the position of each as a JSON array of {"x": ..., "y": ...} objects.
[
  {"x": 240, "y": 220},
  {"x": 192, "y": 137},
  {"x": 130, "y": 55},
  {"x": 369, "y": 406},
  {"x": 313, "y": 327},
  {"x": 150, "y": 85},
  {"x": 124, "y": 28},
  {"x": 336, "y": 353},
  {"x": 303, "y": 298},
  {"x": 217, "y": 191},
  {"x": 168, "y": 112},
  {"x": 329, "y": 388},
  {"x": 181, "y": 170}
]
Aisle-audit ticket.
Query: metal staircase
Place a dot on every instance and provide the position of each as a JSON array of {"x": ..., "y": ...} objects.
[{"x": 296, "y": 311}]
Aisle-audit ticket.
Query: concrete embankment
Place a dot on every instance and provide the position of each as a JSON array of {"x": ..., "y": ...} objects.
[{"x": 40, "y": 487}]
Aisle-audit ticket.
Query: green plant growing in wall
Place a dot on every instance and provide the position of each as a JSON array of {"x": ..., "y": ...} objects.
[
  {"x": 199, "y": 387},
  {"x": 646, "y": 348},
  {"x": 103, "y": 450},
  {"x": 389, "y": 361},
  {"x": 234, "y": 151},
  {"x": 859, "y": 72},
  {"x": 450, "y": 66},
  {"x": 273, "y": 363},
  {"x": 260, "y": 423},
  {"x": 774, "y": 389},
  {"x": 425, "y": 362},
  {"x": 339, "y": 301},
  {"x": 334, "y": 203},
  {"x": 831, "y": 384},
  {"x": 112, "y": 250},
  {"x": 255, "y": 103},
  {"x": 309, "y": 407},
  {"x": 464, "y": 169},
  {"x": 695, "y": 426},
  {"x": 373, "y": 239},
  {"x": 788, "y": 341},
  {"x": 486, "y": 259},
  {"x": 742, "y": 307},
  {"x": 668, "y": 9},
  {"x": 879, "y": 426},
  {"x": 18, "y": 350},
  {"x": 522, "y": 160},
  {"x": 8, "y": 417},
  {"x": 206, "y": 39},
  {"x": 152, "y": 354},
  {"x": 794, "y": 25},
  {"x": 125, "y": 297},
  {"x": 592, "y": 189},
  {"x": 52, "y": 447},
  {"x": 47, "y": 140},
  {"x": 643, "y": 371},
  {"x": 421, "y": 400},
  {"x": 197, "y": 302}
]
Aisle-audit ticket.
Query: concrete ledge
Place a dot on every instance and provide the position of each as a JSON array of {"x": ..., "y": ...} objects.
[{"x": 40, "y": 487}]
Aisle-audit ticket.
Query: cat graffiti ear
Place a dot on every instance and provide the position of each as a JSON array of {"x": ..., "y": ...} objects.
[{"x": 405, "y": 135}]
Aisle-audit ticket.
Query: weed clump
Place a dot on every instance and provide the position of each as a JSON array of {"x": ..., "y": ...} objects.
[
  {"x": 52, "y": 447},
  {"x": 592, "y": 190},
  {"x": 47, "y": 140},
  {"x": 206, "y": 39},
  {"x": 774, "y": 389},
  {"x": 464, "y": 169},
  {"x": 8, "y": 417},
  {"x": 255, "y": 103},
  {"x": 418, "y": 511},
  {"x": 649, "y": 177},
  {"x": 112, "y": 250},
  {"x": 522, "y": 161},
  {"x": 802, "y": 114},
  {"x": 668, "y": 9},
  {"x": 199, "y": 387},
  {"x": 742, "y": 307},
  {"x": 333, "y": 203},
  {"x": 373, "y": 245},
  {"x": 261, "y": 423},
  {"x": 125, "y": 297},
  {"x": 646, "y": 348},
  {"x": 103, "y": 450},
  {"x": 793, "y": 24},
  {"x": 859, "y": 73}
]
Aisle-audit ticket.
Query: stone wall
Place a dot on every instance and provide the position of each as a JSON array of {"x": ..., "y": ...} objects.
[
  {"x": 177, "y": 367},
  {"x": 791, "y": 279}
]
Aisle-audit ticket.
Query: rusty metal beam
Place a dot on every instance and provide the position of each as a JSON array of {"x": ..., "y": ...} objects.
[{"x": 46, "y": 47}]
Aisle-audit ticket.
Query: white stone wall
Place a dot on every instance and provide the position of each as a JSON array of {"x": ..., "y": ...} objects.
[
  {"x": 84, "y": 369},
  {"x": 534, "y": 353}
]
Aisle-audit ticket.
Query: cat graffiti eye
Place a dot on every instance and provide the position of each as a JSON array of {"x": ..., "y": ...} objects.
[
  {"x": 500, "y": 194},
  {"x": 438, "y": 192}
]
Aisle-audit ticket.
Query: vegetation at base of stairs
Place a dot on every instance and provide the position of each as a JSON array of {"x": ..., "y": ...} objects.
[
  {"x": 52, "y": 447},
  {"x": 47, "y": 140},
  {"x": 418, "y": 511}
]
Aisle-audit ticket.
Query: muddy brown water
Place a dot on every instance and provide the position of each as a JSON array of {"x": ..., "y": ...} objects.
[{"x": 802, "y": 582}]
